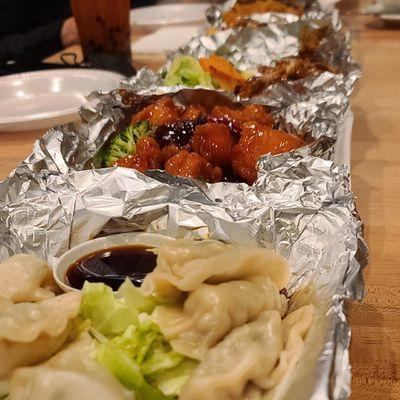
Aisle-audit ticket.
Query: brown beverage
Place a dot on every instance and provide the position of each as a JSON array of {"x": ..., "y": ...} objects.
[{"x": 104, "y": 31}]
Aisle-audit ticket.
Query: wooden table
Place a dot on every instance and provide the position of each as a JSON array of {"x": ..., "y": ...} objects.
[
  {"x": 375, "y": 323},
  {"x": 375, "y": 350}
]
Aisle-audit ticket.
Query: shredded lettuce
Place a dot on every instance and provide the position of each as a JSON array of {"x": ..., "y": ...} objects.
[
  {"x": 171, "y": 381},
  {"x": 131, "y": 345},
  {"x": 119, "y": 363},
  {"x": 108, "y": 315},
  {"x": 112, "y": 314},
  {"x": 155, "y": 353},
  {"x": 160, "y": 357},
  {"x": 145, "y": 345},
  {"x": 134, "y": 298},
  {"x": 187, "y": 71}
]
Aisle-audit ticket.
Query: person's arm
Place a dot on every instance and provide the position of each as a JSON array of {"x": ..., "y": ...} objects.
[
  {"x": 31, "y": 31},
  {"x": 34, "y": 45}
]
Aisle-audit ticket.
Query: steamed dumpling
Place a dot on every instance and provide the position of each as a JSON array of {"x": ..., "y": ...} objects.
[
  {"x": 32, "y": 332},
  {"x": 252, "y": 359},
  {"x": 247, "y": 353},
  {"x": 211, "y": 311},
  {"x": 4, "y": 302},
  {"x": 252, "y": 392},
  {"x": 69, "y": 375},
  {"x": 294, "y": 330},
  {"x": 25, "y": 322},
  {"x": 16, "y": 354},
  {"x": 183, "y": 265},
  {"x": 25, "y": 278}
]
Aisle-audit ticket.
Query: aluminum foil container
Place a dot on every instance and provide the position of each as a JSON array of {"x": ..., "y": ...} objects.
[
  {"x": 73, "y": 146},
  {"x": 214, "y": 14},
  {"x": 318, "y": 101},
  {"x": 247, "y": 47},
  {"x": 315, "y": 105},
  {"x": 301, "y": 206}
]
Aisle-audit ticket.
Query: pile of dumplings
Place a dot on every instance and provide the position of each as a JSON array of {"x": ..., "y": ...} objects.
[
  {"x": 222, "y": 306},
  {"x": 35, "y": 323},
  {"x": 227, "y": 312}
]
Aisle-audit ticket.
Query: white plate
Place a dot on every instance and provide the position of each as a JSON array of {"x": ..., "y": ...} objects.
[
  {"x": 155, "y": 43},
  {"x": 168, "y": 14},
  {"x": 390, "y": 17},
  {"x": 41, "y": 99},
  {"x": 382, "y": 7}
]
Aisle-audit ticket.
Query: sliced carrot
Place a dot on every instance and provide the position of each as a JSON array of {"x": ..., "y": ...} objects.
[{"x": 222, "y": 71}]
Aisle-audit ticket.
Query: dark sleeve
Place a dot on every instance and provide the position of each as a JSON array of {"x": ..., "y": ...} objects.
[
  {"x": 142, "y": 3},
  {"x": 34, "y": 45}
]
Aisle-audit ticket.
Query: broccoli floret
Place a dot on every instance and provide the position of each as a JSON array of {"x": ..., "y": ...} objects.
[{"x": 124, "y": 143}]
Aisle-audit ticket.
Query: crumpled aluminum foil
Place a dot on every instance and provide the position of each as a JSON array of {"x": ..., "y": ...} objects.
[
  {"x": 316, "y": 105},
  {"x": 316, "y": 102},
  {"x": 214, "y": 14},
  {"x": 301, "y": 206},
  {"x": 247, "y": 47},
  {"x": 72, "y": 147}
]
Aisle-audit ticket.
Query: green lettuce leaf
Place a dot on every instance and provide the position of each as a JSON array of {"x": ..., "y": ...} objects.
[
  {"x": 125, "y": 369},
  {"x": 147, "y": 348},
  {"x": 159, "y": 358},
  {"x": 156, "y": 353},
  {"x": 131, "y": 345},
  {"x": 134, "y": 298},
  {"x": 187, "y": 71},
  {"x": 171, "y": 381},
  {"x": 108, "y": 315}
]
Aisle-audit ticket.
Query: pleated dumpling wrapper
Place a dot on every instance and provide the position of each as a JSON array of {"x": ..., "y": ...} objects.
[
  {"x": 71, "y": 374},
  {"x": 211, "y": 311},
  {"x": 32, "y": 332},
  {"x": 184, "y": 264},
  {"x": 213, "y": 288},
  {"x": 252, "y": 358},
  {"x": 26, "y": 278}
]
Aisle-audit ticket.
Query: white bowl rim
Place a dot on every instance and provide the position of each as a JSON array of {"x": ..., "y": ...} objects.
[{"x": 106, "y": 242}]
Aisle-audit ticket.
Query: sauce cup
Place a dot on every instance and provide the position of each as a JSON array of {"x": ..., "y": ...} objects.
[{"x": 124, "y": 239}]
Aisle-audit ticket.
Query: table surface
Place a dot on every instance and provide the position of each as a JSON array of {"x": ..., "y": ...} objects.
[{"x": 375, "y": 323}]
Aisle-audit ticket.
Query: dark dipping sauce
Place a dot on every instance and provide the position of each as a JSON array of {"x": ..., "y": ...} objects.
[{"x": 112, "y": 266}]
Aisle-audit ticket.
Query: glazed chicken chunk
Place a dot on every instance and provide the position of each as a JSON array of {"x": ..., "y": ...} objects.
[
  {"x": 163, "y": 111},
  {"x": 213, "y": 142},
  {"x": 193, "y": 165},
  {"x": 257, "y": 140},
  {"x": 198, "y": 141},
  {"x": 287, "y": 69},
  {"x": 251, "y": 112},
  {"x": 148, "y": 156}
]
